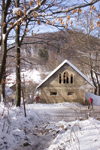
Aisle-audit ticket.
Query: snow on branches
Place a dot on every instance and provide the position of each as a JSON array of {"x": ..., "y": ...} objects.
[{"x": 17, "y": 11}]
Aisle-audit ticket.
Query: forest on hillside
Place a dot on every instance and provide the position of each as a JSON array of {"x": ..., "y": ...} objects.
[{"x": 49, "y": 49}]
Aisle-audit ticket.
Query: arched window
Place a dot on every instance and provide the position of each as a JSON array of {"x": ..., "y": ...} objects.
[
  {"x": 71, "y": 79},
  {"x": 60, "y": 78},
  {"x": 65, "y": 77}
]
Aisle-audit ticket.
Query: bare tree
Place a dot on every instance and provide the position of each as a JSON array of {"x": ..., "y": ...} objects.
[
  {"x": 88, "y": 47},
  {"x": 17, "y": 47}
]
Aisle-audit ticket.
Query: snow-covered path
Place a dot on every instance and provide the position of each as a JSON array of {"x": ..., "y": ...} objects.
[
  {"x": 46, "y": 130},
  {"x": 67, "y": 111},
  {"x": 46, "y": 125}
]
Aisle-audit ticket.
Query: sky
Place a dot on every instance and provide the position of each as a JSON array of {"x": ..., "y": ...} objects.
[{"x": 42, "y": 28}]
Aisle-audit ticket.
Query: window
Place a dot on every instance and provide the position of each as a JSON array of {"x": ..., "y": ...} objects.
[
  {"x": 67, "y": 81},
  {"x": 60, "y": 78},
  {"x": 70, "y": 93},
  {"x": 71, "y": 79},
  {"x": 53, "y": 93},
  {"x": 65, "y": 77}
]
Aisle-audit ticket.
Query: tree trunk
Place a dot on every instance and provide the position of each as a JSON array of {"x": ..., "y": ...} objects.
[
  {"x": 4, "y": 49},
  {"x": 95, "y": 92},
  {"x": 3, "y": 68},
  {"x": 18, "y": 80},
  {"x": 5, "y": 6},
  {"x": 99, "y": 89},
  {"x": 3, "y": 88}
]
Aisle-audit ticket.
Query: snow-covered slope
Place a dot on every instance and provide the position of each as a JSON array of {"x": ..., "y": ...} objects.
[{"x": 28, "y": 76}]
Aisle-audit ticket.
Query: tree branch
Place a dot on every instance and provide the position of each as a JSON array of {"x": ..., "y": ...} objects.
[{"x": 7, "y": 4}]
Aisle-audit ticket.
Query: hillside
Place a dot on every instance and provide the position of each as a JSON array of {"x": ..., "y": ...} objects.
[
  {"x": 46, "y": 51},
  {"x": 71, "y": 45}
]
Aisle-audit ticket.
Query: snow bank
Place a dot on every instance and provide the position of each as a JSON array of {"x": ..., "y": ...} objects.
[
  {"x": 77, "y": 135},
  {"x": 15, "y": 129}
]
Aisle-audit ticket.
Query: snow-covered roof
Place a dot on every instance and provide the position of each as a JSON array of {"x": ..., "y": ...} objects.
[{"x": 71, "y": 65}]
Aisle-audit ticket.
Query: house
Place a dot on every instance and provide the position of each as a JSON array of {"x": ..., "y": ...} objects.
[{"x": 64, "y": 84}]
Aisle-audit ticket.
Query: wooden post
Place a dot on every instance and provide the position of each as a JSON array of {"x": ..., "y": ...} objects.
[{"x": 23, "y": 102}]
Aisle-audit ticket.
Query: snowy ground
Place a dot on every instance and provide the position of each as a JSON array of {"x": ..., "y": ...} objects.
[{"x": 63, "y": 126}]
